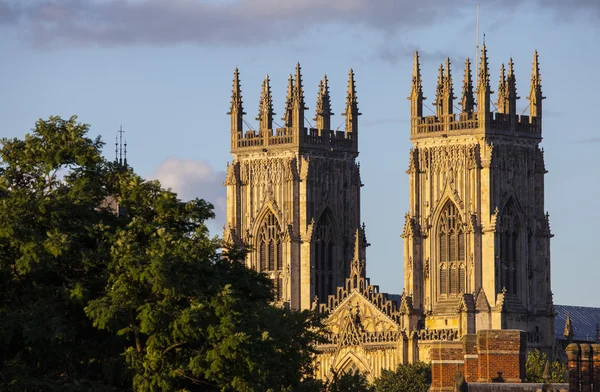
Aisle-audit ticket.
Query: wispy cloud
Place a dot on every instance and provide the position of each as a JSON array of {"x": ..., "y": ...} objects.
[
  {"x": 195, "y": 178},
  {"x": 51, "y": 23}
]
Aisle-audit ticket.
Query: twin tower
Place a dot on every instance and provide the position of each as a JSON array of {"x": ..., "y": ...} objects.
[{"x": 476, "y": 235}]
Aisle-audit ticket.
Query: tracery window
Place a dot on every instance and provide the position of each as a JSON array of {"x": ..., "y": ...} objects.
[
  {"x": 270, "y": 251},
  {"x": 324, "y": 257},
  {"x": 510, "y": 249},
  {"x": 451, "y": 251}
]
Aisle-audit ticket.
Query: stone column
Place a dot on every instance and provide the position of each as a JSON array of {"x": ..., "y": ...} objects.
[
  {"x": 573, "y": 356},
  {"x": 596, "y": 366},
  {"x": 586, "y": 368}
]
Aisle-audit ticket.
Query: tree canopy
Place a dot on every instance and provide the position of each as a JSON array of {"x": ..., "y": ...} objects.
[{"x": 109, "y": 281}]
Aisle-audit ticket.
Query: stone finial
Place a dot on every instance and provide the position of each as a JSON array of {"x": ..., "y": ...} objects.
[
  {"x": 568, "y": 331},
  {"x": 483, "y": 84},
  {"x": 416, "y": 92},
  {"x": 358, "y": 265},
  {"x": 467, "y": 101},
  {"x": 298, "y": 104},
  {"x": 236, "y": 111},
  {"x": 265, "y": 107},
  {"x": 448, "y": 90},
  {"x": 535, "y": 92},
  {"x": 502, "y": 103},
  {"x": 511, "y": 88},
  {"x": 323, "y": 110},
  {"x": 351, "y": 112},
  {"x": 439, "y": 93},
  {"x": 287, "y": 119}
]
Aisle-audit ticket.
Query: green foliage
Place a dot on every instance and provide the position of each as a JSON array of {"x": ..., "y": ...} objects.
[
  {"x": 351, "y": 381},
  {"x": 536, "y": 363},
  {"x": 414, "y": 377},
  {"x": 91, "y": 299}
]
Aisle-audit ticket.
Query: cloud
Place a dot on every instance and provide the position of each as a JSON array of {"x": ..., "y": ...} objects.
[
  {"x": 50, "y": 23},
  {"x": 195, "y": 178}
]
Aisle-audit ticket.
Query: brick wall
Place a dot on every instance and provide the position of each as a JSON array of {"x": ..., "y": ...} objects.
[
  {"x": 584, "y": 367},
  {"x": 489, "y": 356}
]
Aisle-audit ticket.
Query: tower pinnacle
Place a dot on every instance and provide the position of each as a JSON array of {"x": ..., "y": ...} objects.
[
  {"x": 535, "y": 92},
  {"x": 265, "y": 107},
  {"x": 467, "y": 101},
  {"x": 287, "y": 117},
  {"x": 502, "y": 103},
  {"x": 236, "y": 110},
  {"x": 351, "y": 106},
  {"x": 511, "y": 88},
  {"x": 416, "y": 92},
  {"x": 483, "y": 85},
  {"x": 298, "y": 105},
  {"x": 323, "y": 110}
]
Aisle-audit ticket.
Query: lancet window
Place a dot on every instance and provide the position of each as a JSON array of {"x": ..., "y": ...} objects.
[
  {"x": 451, "y": 251},
  {"x": 324, "y": 248},
  {"x": 510, "y": 247},
  {"x": 270, "y": 250}
]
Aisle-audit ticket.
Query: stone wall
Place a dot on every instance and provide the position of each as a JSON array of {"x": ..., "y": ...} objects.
[{"x": 584, "y": 367}]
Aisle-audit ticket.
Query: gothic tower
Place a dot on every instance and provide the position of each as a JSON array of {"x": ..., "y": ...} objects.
[
  {"x": 477, "y": 237},
  {"x": 293, "y": 193}
]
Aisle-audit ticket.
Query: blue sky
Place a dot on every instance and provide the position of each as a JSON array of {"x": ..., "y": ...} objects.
[{"x": 163, "y": 69}]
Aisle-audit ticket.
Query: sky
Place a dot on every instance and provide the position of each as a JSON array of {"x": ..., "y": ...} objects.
[{"x": 163, "y": 68}]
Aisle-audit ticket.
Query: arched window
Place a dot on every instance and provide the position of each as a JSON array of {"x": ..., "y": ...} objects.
[
  {"x": 270, "y": 252},
  {"x": 451, "y": 251},
  {"x": 324, "y": 245},
  {"x": 510, "y": 247}
]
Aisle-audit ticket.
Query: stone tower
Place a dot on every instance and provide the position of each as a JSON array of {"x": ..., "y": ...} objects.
[
  {"x": 293, "y": 193},
  {"x": 477, "y": 237}
]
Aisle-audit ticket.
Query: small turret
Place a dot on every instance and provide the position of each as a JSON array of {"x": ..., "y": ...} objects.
[
  {"x": 236, "y": 110},
  {"x": 298, "y": 104},
  {"x": 416, "y": 92},
  {"x": 287, "y": 116},
  {"x": 467, "y": 101},
  {"x": 358, "y": 265},
  {"x": 448, "y": 91},
  {"x": 535, "y": 92},
  {"x": 483, "y": 86},
  {"x": 439, "y": 93},
  {"x": 502, "y": 103},
  {"x": 351, "y": 112},
  {"x": 265, "y": 108},
  {"x": 568, "y": 331},
  {"x": 323, "y": 110},
  {"x": 511, "y": 87}
]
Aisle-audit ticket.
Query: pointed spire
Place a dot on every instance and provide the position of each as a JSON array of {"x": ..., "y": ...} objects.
[
  {"x": 323, "y": 110},
  {"x": 287, "y": 119},
  {"x": 439, "y": 93},
  {"x": 535, "y": 93},
  {"x": 502, "y": 103},
  {"x": 236, "y": 110},
  {"x": 448, "y": 91},
  {"x": 568, "y": 331},
  {"x": 265, "y": 107},
  {"x": 298, "y": 104},
  {"x": 511, "y": 88},
  {"x": 351, "y": 112},
  {"x": 467, "y": 101},
  {"x": 483, "y": 84},
  {"x": 416, "y": 91},
  {"x": 358, "y": 266}
]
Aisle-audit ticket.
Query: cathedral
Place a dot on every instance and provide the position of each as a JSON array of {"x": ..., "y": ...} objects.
[{"x": 476, "y": 235}]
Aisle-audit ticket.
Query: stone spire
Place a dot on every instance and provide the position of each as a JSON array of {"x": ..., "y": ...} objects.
[
  {"x": 439, "y": 93},
  {"x": 483, "y": 85},
  {"x": 298, "y": 104},
  {"x": 236, "y": 110},
  {"x": 502, "y": 103},
  {"x": 351, "y": 112},
  {"x": 467, "y": 101},
  {"x": 265, "y": 107},
  {"x": 416, "y": 92},
  {"x": 323, "y": 110},
  {"x": 287, "y": 116},
  {"x": 568, "y": 331},
  {"x": 448, "y": 91},
  {"x": 535, "y": 92},
  {"x": 358, "y": 266},
  {"x": 511, "y": 88}
]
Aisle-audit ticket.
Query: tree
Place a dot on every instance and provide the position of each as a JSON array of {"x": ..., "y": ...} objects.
[
  {"x": 351, "y": 381},
  {"x": 52, "y": 262},
  {"x": 414, "y": 377},
  {"x": 535, "y": 365},
  {"x": 92, "y": 299}
]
